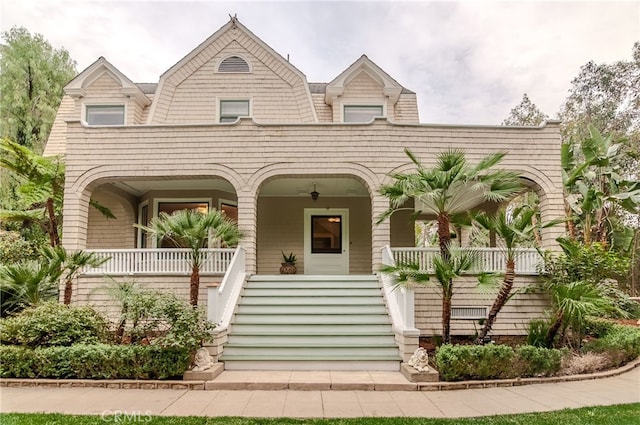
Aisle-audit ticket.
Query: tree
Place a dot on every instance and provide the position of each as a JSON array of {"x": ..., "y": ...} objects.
[
  {"x": 445, "y": 190},
  {"x": 194, "y": 230},
  {"x": 33, "y": 76},
  {"x": 525, "y": 113},
  {"x": 67, "y": 265},
  {"x": 40, "y": 188},
  {"x": 606, "y": 96},
  {"x": 25, "y": 284},
  {"x": 597, "y": 187}
]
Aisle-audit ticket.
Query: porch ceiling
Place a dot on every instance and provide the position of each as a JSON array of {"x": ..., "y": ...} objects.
[
  {"x": 139, "y": 187},
  {"x": 303, "y": 186}
]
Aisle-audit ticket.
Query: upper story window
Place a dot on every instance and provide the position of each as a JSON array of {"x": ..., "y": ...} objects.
[
  {"x": 362, "y": 113},
  {"x": 234, "y": 64},
  {"x": 230, "y": 110},
  {"x": 105, "y": 114}
]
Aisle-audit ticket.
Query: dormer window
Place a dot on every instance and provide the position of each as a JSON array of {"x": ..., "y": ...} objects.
[
  {"x": 234, "y": 64},
  {"x": 105, "y": 114},
  {"x": 231, "y": 110},
  {"x": 362, "y": 113}
]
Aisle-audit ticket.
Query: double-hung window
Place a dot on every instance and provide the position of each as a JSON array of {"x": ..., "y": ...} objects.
[
  {"x": 105, "y": 114},
  {"x": 362, "y": 113},
  {"x": 231, "y": 110}
]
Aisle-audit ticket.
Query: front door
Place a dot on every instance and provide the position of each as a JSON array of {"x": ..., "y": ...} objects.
[{"x": 326, "y": 241}]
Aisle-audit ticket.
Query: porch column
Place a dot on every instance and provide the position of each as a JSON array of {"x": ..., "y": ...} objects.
[
  {"x": 380, "y": 233},
  {"x": 247, "y": 219},
  {"x": 75, "y": 219},
  {"x": 552, "y": 208}
]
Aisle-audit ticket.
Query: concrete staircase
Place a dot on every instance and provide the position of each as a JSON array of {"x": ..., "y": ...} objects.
[{"x": 302, "y": 322}]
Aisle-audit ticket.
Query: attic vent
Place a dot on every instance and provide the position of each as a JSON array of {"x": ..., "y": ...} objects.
[
  {"x": 471, "y": 313},
  {"x": 233, "y": 64}
]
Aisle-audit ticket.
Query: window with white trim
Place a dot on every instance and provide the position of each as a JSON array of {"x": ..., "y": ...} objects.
[
  {"x": 362, "y": 113},
  {"x": 104, "y": 114},
  {"x": 231, "y": 110}
]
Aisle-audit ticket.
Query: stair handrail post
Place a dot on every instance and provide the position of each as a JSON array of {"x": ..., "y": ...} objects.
[
  {"x": 400, "y": 301},
  {"x": 222, "y": 300}
]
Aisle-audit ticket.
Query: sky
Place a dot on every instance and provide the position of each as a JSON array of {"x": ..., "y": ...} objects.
[{"x": 469, "y": 62}]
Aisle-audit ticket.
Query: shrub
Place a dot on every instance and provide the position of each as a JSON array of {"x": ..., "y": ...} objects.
[
  {"x": 464, "y": 362},
  {"x": 537, "y": 361},
  {"x": 98, "y": 361},
  {"x": 162, "y": 319},
  {"x": 538, "y": 331},
  {"x": 620, "y": 343},
  {"x": 53, "y": 324}
]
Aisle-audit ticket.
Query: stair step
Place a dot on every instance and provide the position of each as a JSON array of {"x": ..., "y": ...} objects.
[
  {"x": 312, "y": 292},
  {"x": 312, "y": 350},
  {"x": 311, "y": 309},
  {"x": 309, "y": 329},
  {"x": 364, "y": 319},
  {"x": 248, "y": 363},
  {"x": 314, "y": 278},
  {"x": 328, "y": 300},
  {"x": 325, "y": 340},
  {"x": 363, "y": 284}
]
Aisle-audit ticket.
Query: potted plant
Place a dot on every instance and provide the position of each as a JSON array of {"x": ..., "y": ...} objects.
[{"x": 288, "y": 266}]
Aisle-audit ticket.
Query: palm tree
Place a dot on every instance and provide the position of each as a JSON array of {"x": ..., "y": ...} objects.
[
  {"x": 41, "y": 188},
  {"x": 25, "y": 284},
  {"x": 194, "y": 230},
  {"x": 68, "y": 265},
  {"x": 571, "y": 303},
  {"x": 511, "y": 229},
  {"x": 448, "y": 190}
]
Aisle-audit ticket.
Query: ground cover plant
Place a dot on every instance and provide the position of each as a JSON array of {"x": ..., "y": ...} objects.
[{"x": 623, "y": 414}]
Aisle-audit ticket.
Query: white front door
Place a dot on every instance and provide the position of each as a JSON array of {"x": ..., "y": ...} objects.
[{"x": 326, "y": 241}]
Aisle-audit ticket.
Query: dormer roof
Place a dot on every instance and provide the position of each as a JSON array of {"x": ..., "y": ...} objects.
[
  {"x": 77, "y": 87},
  {"x": 390, "y": 87}
]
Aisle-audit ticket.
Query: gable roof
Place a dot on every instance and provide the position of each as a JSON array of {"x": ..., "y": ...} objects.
[
  {"x": 390, "y": 87},
  {"x": 192, "y": 60},
  {"x": 77, "y": 86}
]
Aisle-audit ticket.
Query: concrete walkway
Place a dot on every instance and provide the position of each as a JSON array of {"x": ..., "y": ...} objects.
[{"x": 624, "y": 388}]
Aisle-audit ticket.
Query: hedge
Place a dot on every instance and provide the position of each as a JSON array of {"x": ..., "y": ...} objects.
[
  {"x": 97, "y": 361},
  {"x": 467, "y": 362}
]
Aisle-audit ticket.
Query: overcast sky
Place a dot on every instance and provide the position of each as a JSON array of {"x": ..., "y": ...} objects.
[{"x": 469, "y": 62}]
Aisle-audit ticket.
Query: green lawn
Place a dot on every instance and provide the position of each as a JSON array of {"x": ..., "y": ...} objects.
[{"x": 621, "y": 414}]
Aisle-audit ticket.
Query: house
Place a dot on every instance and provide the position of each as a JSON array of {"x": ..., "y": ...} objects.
[{"x": 235, "y": 126}]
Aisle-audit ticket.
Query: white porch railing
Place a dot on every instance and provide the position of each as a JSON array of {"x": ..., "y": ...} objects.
[
  {"x": 490, "y": 259},
  {"x": 222, "y": 300},
  {"x": 160, "y": 261},
  {"x": 400, "y": 301}
]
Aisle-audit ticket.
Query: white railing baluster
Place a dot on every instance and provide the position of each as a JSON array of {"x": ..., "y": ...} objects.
[
  {"x": 490, "y": 259},
  {"x": 159, "y": 261}
]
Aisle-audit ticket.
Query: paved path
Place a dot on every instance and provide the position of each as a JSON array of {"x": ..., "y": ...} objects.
[{"x": 624, "y": 388}]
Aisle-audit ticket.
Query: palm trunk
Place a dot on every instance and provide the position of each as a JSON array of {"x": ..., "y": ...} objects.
[
  {"x": 553, "y": 329},
  {"x": 444, "y": 236},
  {"x": 54, "y": 238},
  {"x": 68, "y": 289},
  {"x": 444, "y": 239},
  {"x": 446, "y": 317},
  {"x": 571, "y": 226},
  {"x": 194, "y": 285},
  {"x": 500, "y": 301}
]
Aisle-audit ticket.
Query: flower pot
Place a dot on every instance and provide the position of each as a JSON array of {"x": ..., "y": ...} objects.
[{"x": 288, "y": 268}]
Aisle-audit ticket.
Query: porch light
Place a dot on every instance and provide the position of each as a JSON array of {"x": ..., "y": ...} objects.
[{"x": 314, "y": 194}]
